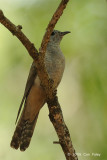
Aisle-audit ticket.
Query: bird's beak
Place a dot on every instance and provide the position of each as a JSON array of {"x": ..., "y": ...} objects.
[{"x": 64, "y": 33}]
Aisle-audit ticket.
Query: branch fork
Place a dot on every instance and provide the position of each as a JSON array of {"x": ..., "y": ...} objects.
[{"x": 55, "y": 112}]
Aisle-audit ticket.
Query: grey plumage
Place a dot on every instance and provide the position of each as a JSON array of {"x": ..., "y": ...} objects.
[{"x": 34, "y": 96}]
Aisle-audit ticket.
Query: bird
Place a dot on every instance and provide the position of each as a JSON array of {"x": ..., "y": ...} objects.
[{"x": 34, "y": 96}]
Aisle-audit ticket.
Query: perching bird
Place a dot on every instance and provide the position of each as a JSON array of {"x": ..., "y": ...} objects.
[{"x": 34, "y": 96}]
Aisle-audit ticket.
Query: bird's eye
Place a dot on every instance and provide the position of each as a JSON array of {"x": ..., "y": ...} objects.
[{"x": 53, "y": 33}]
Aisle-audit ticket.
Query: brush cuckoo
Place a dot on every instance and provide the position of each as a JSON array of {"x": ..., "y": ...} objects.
[{"x": 34, "y": 96}]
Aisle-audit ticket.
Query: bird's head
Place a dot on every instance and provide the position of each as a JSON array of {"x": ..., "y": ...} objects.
[{"x": 56, "y": 37}]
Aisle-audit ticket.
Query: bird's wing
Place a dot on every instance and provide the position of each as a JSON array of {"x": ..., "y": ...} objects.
[{"x": 30, "y": 81}]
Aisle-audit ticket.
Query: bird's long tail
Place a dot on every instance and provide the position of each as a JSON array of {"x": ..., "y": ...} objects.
[
  {"x": 23, "y": 134},
  {"x": 26, "y": 124}
]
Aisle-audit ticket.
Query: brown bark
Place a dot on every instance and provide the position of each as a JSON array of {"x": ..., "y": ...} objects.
[{"x": 55, "y": 112}]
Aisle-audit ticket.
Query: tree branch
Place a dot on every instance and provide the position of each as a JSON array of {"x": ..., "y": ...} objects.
[
  {"x": 16, "y": 30},
  {"x": 52, "y": 24},
  {"x": 55, "y": 112},
  {"x": 56, "y": 117},
  {"x": 46, "y": 81}
]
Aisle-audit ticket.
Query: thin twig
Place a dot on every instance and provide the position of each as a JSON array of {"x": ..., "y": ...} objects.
[{"x": 56, "y": 142}]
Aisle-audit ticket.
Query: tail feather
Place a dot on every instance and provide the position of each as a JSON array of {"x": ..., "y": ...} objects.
[
  {"x": 26, "y": 124},
  {"x": 23, "y": 134}
]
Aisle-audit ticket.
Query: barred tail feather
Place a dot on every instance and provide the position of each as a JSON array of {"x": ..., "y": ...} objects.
[
  {"x": 23, "y": 134},
  {"x": 26, "y": 124}
]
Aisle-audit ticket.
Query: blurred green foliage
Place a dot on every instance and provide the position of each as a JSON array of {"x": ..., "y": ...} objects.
[{"x": 83, "y": 90}]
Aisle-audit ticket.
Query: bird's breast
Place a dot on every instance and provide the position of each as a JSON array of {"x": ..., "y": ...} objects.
[{"x": 55, "y": 64}]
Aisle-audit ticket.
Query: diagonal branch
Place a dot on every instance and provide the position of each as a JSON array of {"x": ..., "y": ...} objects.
[
  {"x": 46, "y": 81},
  {"x": 52, "y": 24},
  {"x": 56, "y": 117},
  {"x": 16, "y": 31},
  {"x": 55, "y": 112}
]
